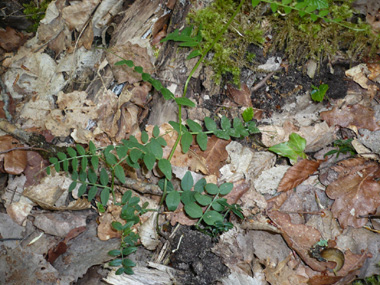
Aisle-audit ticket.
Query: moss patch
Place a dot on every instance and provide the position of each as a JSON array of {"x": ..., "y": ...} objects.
[
  {"x": 300, "y": 38},
  {"x": 229, "y": 55}
]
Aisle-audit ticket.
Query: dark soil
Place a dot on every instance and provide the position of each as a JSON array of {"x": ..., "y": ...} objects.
[{"x": 195, "y": 258}]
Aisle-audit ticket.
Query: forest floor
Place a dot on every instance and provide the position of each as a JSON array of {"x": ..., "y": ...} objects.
[{"x": 311, "y": 221}]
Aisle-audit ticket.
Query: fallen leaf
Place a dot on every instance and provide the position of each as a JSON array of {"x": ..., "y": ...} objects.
[
  {"x": 56, "y": 251},
  {"x": 191, "y": 159},
  {"x": 53, "y": 29},
  {"x": 360, "y": 74},
  {"x": 285, "y": 273},
  {"x": 74, "y": 233},
  {"x": 159, "y": 29},
  {"x": 356, "y": 191},
  {"x": 77, "y": 15},
  {"x": 374, "y": 69},
  {"x": 148, "y": 233},
  {"x": 51, "y": 194},
  {"x": 298, "y": 173},
  {"x": 351, "y": 115},
  {"x": 215, "y": 155},
  {"x": 179, "y": 216},
  {"x": 74, "y": 112},
  {"x": 300, "y": 238},
  {"x": 241, "y": 96},
  {"x": 14, "y": 162},
  {"x": 87, "y": 37},
  {"x": 33, "y": 170},
  {"x": 11, "y": 39},
  {"x": 105, "y": 229},
  {"x": 134, "y": 52}
]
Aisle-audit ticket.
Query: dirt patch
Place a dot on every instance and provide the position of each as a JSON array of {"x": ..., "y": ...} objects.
[{"x": 194, "y": 256}]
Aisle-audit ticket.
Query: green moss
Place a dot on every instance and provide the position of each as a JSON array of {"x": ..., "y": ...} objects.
[
  {"x": 229, "y": 54},
  {"x": 302, "y": 38},
  {"x": 35, "y": 13}
]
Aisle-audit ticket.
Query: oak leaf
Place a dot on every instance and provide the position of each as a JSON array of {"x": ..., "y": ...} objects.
[{"x": 356, "y": 191}]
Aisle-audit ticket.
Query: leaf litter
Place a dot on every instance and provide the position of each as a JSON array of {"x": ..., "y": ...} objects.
[{"x": 282, "y": 224}]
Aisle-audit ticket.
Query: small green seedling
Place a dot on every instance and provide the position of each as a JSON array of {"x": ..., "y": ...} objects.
[
  {"x": 292, "y": 149},
  {"x": 318, "y": 93},
  {"x": 343, "y": 146}
]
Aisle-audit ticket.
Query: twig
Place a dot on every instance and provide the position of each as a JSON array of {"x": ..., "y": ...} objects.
[
  {"x": 23, "y": 148},
  {"x": 262, "y": 82}
]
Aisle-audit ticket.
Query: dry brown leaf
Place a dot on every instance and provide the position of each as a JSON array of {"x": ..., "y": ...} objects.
[
  {"x": 134, "y": 52},
  {"x": 159, "y": 30},
  {"x": 241, "y": 187},
  {"x": 77, "y": 15},
  {"x": 51, "y": 194},
  {"x": 14, "y": 162},
  {"x": 356, "y": 191},
  {"x": 11, "y": 39},
  {"x": 75, "y": 112},
  {"x": 285, "y": 273},
  {"x": 297, "y": 174},
  {"x": 300, "y": 238},
  {"x": 117, "y": 116},
  {"x": 241, "y": 96},
  {"x": 33, "y": 170},
  {"x": 61, "y": 248},
  {"x": 87, "y": 37},
  {"x": 179, "y": 216},
  {"x": 215, "y": 155},
  {"x": 54, "y": 32},
  {"x": 105, "y": 230},
  {"x": 276, "y": 202},
  {"x": 374, "y": 68},
  {"x": 352, "y": 115},
  {"x": 140, "y": 94},
  {"x": 374, "y": 21},
  {"x": 190, "y": 159}
]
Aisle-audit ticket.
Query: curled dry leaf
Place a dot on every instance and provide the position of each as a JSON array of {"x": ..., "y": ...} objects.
[
  {"x": 297, "y": 174},
  {"x": 300, "y": 238},
  {"x": 356, "y": 191},
  {"x": 352, "y": 115},
  {"x": 285, "y": 273},
  {"x": 14, "y": 161},
  {"x": 148, "y": 234}
]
